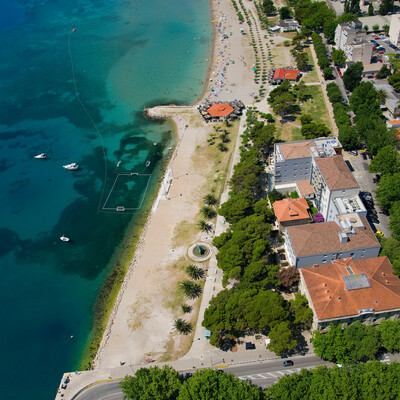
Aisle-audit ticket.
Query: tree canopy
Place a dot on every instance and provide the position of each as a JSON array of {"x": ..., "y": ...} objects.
[
  {"x": 386, "y": 161},
  {"x": 152, "y": 384},
  {"x": 388, "y": 190},
  {"x": 369, "y": 381},
  {"x": 353, "y": 75},
  {"x": 209, "y": 384}
]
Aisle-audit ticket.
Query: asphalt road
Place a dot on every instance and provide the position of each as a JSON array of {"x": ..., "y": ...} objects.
[
  {"x": 266, "y": 373},
  {"x": 263, "y": 374}
]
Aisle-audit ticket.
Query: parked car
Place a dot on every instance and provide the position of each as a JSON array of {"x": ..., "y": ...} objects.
[
  {"x": 379, "y": 233},
  {"x": 377, "y": 38},
  {"x": 381, "y": 52},
  {"x": 353, "y": 152},
  {"x": 250, "y": 346},
  {"x": 288, "y": 363}
]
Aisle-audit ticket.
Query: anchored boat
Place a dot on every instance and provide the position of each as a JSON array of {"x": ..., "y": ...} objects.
[{"x": 71, "y": 167}]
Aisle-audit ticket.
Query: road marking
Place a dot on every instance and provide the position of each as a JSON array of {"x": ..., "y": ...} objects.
[{"x": 112, "y": 394}]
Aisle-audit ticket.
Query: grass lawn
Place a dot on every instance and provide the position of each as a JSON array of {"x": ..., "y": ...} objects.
[
  {"x": 316, "y": 108},
  {"x": 291, "y": 131},
  {"x": 312, "y": 75}
]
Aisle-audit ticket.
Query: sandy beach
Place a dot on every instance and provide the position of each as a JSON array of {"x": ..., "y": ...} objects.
[{"x": 141, "y": 325}]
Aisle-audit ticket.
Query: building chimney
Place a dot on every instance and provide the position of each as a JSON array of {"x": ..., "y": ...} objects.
[{"x": 343, "y": 238}]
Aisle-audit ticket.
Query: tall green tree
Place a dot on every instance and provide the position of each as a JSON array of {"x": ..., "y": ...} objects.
[
  {"x": 281, "y": 338},
  {"x": 384, "y": 72},
  {"x": 394, "y": 222},
  {"x": 209, "y": 384},
  {"x": 268, "y": 7},
  {"x": 353, "y": 75},
  {"x": 371, "y": 10},
  {"x": 152, "y": 384},
  {"x": 302, "y": 313},
  {"x": 352, "y": 6},
  {"x": 390, "y": 335},
  {"x": 386, "y": 7},
  {"x": 338, "y": 57},
  {"x": 388, "y": 190},
  {"x": 285, "y": 12},
  {"x": 386, "y": 161}
]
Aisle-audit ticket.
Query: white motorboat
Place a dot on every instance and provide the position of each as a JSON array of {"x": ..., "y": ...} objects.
[
  {"x": 41, "y": 156},
  {"x": 64, "y": 238},
  {"x": 147, "y": 163},
  {"x": 71, "y": 167}
]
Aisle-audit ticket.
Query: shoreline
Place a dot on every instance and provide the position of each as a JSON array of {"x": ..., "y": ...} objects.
[
  {"x": 217, "y": 12},
  {"x": 142, "y": 232}
]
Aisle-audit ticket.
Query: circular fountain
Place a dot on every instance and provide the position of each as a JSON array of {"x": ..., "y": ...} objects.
[{"x": 199, "y": 251}]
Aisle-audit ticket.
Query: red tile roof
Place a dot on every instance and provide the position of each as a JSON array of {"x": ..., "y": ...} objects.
[
  {"x": 336, "y": 173},
  {"x": 304, "y": 188},
  {"x": 330, "y": 297},
  {"x": 296, "y": 149},
  {"x": 291, "y": 209},
  {"x": 290, "y": 74},
  {"x": 323, "y": 238},
  {"x": 220, "y": 110}
]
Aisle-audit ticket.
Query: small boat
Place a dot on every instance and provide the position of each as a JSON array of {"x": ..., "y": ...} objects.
[
  {"x": 147, "y": 163},
  {"x": 64, "y": 238},
  {"x": 41, "y": 156},
  {"x": 118, "y": 164},
  {"x": 71, "y": 167},
  {"x": 155, "y": 143}
]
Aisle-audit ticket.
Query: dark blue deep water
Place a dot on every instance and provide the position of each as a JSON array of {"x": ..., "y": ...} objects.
[{"x": 74, "y": 79}]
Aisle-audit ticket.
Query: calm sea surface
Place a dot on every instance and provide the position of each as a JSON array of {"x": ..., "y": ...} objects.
[{"x": 75, "y": 77}]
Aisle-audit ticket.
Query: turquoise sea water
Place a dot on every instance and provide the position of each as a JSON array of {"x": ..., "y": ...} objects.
[{"x": 74, "y": 79}]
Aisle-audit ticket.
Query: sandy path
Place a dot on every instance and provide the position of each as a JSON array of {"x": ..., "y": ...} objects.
[{"x": 142, "y": 325}]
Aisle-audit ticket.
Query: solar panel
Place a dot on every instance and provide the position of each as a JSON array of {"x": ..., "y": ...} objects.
[{"x": 356, "y": 281}]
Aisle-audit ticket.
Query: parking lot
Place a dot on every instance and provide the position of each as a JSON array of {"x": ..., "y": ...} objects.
[{"x": 366, "y": 182}]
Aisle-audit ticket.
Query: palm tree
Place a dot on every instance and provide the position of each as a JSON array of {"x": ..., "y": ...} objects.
[
  {"x": 204, "y": 226},
  {"x": 210, "y": 199},
  {"x": 194, "y": 272},
  {"x": 208, "y": 212},
  {"x": 182, "y": 326},
  {"x": 228, "y": 123},
  {"x": 382, "y": 96},
  {"x": 186, "y": 308},
  {"x": 190, "y": 289}
]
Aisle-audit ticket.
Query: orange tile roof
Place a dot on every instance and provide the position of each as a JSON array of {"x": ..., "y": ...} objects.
[
  {"x": 296, "y": 150},
  {"x": 336, "y": 173},
  {"x": 220, "y": 110},
  {"x": 291, "y": 209},
  {"x": 291, "y": 75},
  {"x": 305, "y": 188},
  {"x": 331, "y": 299},
  {"x": 282, "y": 73},
  {"x": 394, "y": 122},
  {"x": 279, "y": 73},
  {"x": 323, "y": 238}
]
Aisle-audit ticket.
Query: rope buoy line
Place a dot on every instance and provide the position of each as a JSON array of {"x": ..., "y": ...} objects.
[
  {"x": 90, "y": 118},
  {"x": 100, "y": 206}
]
